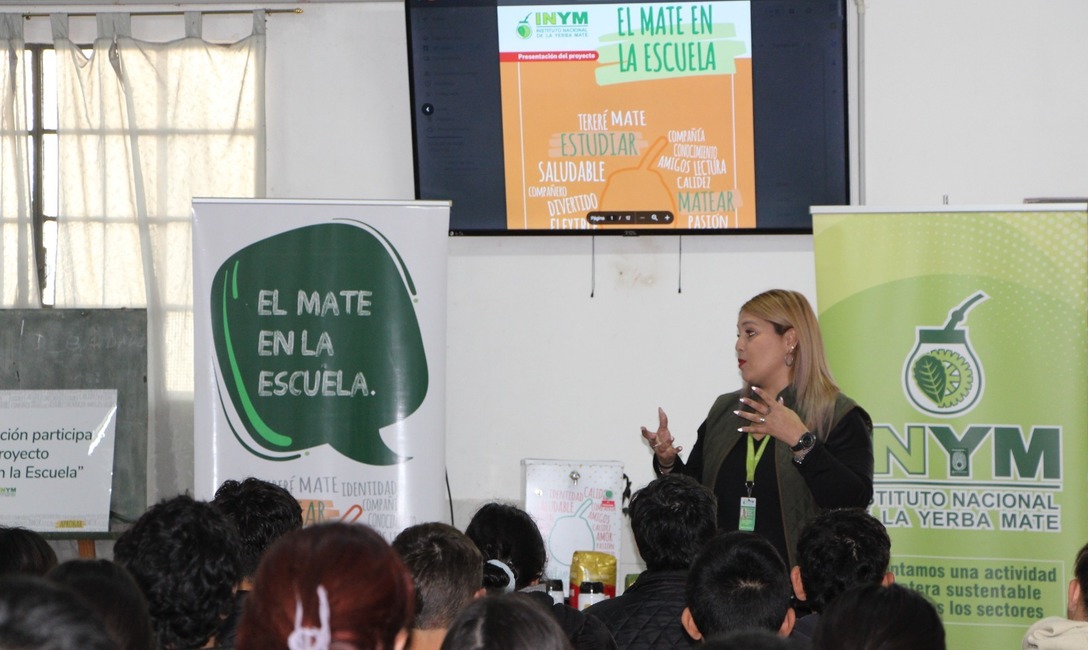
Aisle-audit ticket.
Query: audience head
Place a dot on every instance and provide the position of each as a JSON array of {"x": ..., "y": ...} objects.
[
  {"x": 184, "y": 556},
  {"x": 1078, "y": 587},
  {"x": 340, "y": 580},
  {"x": 837, "y": 550},
  {"x": 261, "y": 511},
  {"x": 25, "y": 552},
  {"x": 508, "y": 535},
  {"x": 672, "y": 518},
  {"x": 108, "y": 589},
  {"x": 737, "y": 582},
  {"x": 874, "y": 617},
  {"x": 35, "y": 613},
  {"x": 446, "y": 568},
  {"x": 507, "y": 622}
]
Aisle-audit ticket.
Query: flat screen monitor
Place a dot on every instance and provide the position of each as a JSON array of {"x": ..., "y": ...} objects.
[{"x": 629, "y": 117}]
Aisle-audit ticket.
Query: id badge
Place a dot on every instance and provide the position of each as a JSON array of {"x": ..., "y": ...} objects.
[{"x": 747, "y": 514}]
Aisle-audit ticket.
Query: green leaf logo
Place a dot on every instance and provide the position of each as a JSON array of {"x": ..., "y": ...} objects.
[
  {"x": 929, "y": 373},
  {"x": 317, "y": 342}
]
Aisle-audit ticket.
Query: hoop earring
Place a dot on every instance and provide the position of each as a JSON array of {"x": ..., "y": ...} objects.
[{"x": 789, "y": 358}]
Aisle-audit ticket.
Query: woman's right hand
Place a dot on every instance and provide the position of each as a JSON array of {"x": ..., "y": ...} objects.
[{"x": 661, "y": 441}]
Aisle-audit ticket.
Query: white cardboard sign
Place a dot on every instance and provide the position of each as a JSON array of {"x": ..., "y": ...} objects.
[{"x": 56, "y": 459}]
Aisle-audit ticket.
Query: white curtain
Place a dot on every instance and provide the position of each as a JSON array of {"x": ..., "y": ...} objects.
[
  {"x": 143, "y": 128},
  {"x": 18, "y": 274}
]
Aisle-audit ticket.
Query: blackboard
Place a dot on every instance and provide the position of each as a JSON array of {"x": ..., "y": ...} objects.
[{"x": 61, "y": 349}]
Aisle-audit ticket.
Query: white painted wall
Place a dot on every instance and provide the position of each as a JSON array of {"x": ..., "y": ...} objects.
[{"x": 982, "y": 101}]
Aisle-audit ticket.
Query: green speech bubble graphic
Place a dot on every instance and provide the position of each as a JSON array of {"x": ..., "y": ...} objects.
[{"x": 317, "y": 342}]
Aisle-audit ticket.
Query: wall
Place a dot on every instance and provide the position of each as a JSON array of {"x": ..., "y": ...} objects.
[{"x": 982, "y": 102}]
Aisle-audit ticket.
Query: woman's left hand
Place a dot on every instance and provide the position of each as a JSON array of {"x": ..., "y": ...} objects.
[{"x": 771, "y": 417}]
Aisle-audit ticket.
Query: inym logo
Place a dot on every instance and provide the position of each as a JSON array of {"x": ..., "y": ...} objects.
[{"x": 942, "y": 376}]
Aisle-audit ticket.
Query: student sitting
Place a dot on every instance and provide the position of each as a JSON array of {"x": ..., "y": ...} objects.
[
  {"x": 108, "y": 589},
  {"x": 1057, "y": 633},
  {"x": 875, "y": 617},
  {"x": 837, "y": 550},
  {"x": 509, "y": 622},
  {"x": 738, "y": 582},
  {"x": 25, "y": 552},
  {"x": 514, "y": 559},
  {"x": 262, "y": 512},
  {"x": 447, "y": 570},
  {"x": 330, "y": 586},
  {"x": 36, "y": 613},
  {"x": 184, "y": 555},
  {"x": 672, "y": 518}
]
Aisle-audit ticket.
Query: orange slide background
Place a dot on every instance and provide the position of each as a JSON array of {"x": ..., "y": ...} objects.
[{"x": 543, "y": 100}]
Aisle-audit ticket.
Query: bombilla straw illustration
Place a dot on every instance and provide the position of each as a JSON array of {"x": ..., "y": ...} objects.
[{"x": 959, "y": 313}]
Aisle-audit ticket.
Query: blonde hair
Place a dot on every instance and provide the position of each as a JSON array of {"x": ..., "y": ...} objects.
[{"x": 810, "y": 375}]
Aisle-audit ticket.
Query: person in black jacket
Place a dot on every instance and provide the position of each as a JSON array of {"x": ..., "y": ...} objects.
[
  {"x": 788, "y": 441},
  {"x": 672, "y": 518}
]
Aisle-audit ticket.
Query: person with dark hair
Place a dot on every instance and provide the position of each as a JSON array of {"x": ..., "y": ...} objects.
[
  {"x": 672, "y": 518},
  {"x": 331, "y": 585},
  {"x": 839, "y": 549},
  {"x": 738, "y": 582},
  {"x": 789, "y": 443},
  {"x": 262, "y": 512},
  {"x": 108, "y": 590},
  {"x": 875, "y": 617},
  {"x": 514, "y": 560},
  {"x": 507, "y": 622},
  {"x": 511, "y": 545},
  {"x": 447, "y": 570},
  {"x": 1057, "y": 633},
  {"x": 184, "y": 555},
  {"x": 25, "y": 552},
  {"x": 35, "y": 613}
]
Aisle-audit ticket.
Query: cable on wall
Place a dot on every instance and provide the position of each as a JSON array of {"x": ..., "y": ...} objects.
[
  {"x": 861, "y": 5},
  {"x": 593, "y": 266},
  {"x": 680, "y": 264}
]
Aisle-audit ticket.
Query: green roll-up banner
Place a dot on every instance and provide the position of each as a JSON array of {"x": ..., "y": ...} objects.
[{"x": 964, "y": 333}]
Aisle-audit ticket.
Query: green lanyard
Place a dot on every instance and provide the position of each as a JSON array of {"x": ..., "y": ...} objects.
[{"x": 753, "y": 460}]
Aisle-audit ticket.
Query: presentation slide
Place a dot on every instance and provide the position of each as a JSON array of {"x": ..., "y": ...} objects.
[{"x": 628, "y": 115}]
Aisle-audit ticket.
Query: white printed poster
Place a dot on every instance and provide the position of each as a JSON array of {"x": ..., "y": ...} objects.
[
  {"x": 320, "y": 354},
  {"x": 56, "y": 459},
  {"x": 578, "y": 506}
]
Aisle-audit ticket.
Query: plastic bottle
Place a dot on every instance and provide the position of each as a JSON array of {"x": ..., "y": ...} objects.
[
  {"x": 589, "y": 593},
  {"x": 555, "y": 590}
]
